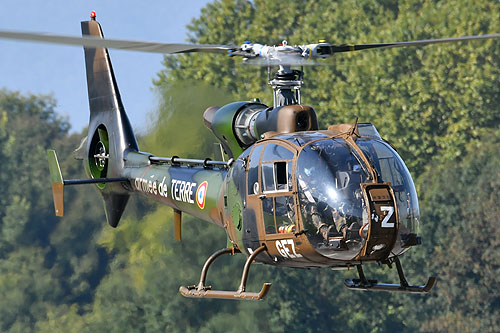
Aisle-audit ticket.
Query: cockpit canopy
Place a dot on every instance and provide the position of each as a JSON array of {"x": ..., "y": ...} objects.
[
  {"x": 314, "y": 184},
  {"x": 329, "y": 176}
]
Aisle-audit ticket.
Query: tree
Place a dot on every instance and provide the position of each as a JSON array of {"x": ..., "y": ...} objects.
[
  {"x": 462, "y": 205},
  {"x": 45, "y": 262}
]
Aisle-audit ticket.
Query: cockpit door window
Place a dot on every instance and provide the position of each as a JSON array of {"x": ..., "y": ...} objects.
[
  {"x": 279, "y": 214},
  {"x": 268, "y": 214},
  {"x": 268, "y": 183},
  {"x": 391, "y": 169},
  {"x": 277, "y": 176},
  {"x": 274, "y": 186}
]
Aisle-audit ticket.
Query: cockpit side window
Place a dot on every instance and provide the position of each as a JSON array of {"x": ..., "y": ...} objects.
[
  {"x": 277, "y": 176},
  {"x": 276, "y": 169},
  {"x": 280, "y": 169}
]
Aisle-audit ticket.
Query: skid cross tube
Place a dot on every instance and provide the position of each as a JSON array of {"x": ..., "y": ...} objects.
[
  {"x": 364, "y": 284},
  {"x": 202, "y": 291}
]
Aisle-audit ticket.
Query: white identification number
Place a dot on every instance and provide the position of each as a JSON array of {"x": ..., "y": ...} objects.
[
  {"x": 286, "y": 248},
  {"x": 388, "y": 215}
]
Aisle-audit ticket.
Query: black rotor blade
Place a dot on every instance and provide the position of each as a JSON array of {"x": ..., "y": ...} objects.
[
  {"x": 130, "y": 45},
  {"x": 359, "y": 47}
]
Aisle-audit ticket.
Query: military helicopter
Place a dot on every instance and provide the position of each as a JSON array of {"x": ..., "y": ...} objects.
[{"x": 289, "y": 194}]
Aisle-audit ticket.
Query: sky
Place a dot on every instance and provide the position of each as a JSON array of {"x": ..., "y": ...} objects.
[{"x": 59, "y": 70}]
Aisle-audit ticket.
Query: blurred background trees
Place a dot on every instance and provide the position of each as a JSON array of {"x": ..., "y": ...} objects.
[{"x": 438, "y": 105}]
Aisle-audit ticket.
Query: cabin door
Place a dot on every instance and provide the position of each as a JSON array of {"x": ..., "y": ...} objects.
[{"x": 272, "y": 194}]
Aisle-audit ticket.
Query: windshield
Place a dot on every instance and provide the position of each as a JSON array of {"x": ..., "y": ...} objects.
[
  {"x": 332, "y": 204},
  {"x": 329, "y": 174}
]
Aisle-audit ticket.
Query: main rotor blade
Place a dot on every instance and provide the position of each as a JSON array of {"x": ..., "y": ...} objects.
[
  {"x": 359, "y": 47},
  {"x": 119, "y": 44}
]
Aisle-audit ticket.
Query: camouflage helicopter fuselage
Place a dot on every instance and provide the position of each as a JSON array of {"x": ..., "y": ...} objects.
[{"x": 289, "y": 194}]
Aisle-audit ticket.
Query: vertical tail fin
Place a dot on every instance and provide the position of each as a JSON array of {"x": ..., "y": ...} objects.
[{"x": 110, "y": 133}]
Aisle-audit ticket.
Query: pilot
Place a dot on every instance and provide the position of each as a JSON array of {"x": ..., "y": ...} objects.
[
  {"x": 339, "y": 220},
  {"x": 322, "y": 227},
  {"x": 319, "y": 212}
]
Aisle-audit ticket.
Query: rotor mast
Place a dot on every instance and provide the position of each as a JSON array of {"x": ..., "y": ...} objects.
[{"x": 286, "y": 86}]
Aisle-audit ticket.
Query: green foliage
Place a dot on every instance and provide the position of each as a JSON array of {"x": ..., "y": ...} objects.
[
  {"x": 177, "y": 127},
  {"x": 45, "y": 262},
  {"x": 465, "y": 207}
]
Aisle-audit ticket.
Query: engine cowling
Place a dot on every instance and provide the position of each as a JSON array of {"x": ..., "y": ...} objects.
[{"x": 238, "y": 125}]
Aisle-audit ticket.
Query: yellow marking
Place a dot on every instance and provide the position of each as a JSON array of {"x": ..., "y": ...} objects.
[{"x": 352, "y": 47}]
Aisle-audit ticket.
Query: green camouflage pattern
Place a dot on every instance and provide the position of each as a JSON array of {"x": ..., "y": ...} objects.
[{"x": 191, "y": 189}]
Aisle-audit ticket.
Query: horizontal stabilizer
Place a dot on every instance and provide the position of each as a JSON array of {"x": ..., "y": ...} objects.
[{"x": 58, "y": 182}]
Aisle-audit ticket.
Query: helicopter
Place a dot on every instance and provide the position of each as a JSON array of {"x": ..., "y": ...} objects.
[{"x": 289, "y": 194}]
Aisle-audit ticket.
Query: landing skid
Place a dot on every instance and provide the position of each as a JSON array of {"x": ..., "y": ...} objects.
[
  {"x": 202, "y": 291},
  {"x": 364, "y": 284}
]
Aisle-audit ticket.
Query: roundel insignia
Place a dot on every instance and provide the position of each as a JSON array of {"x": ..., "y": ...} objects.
[{"x": 201, "y": 194}]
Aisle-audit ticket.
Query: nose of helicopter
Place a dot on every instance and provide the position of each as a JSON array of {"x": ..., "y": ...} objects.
[{"x": 337, "y": 203}]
